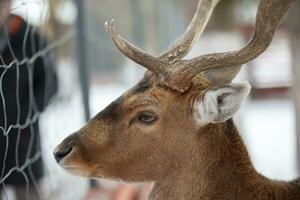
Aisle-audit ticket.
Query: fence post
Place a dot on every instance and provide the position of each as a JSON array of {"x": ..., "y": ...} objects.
[
  {"x": 82, "y": 57},
  {"x": 83, "y": 63}
]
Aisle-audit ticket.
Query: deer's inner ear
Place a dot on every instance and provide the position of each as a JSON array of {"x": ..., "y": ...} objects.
[{"x": 220, "y": 104}]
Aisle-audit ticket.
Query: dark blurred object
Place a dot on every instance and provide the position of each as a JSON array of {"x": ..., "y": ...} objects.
[{"x": 28, "y": 83}]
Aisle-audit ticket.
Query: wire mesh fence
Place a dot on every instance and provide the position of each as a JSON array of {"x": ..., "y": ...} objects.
[{"x": 34, "y": 72}]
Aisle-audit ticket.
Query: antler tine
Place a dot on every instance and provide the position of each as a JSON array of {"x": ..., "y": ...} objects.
[
  {"x": 134, "y": 53},
  {"x": 269, "y": 14},
  {"x": 193, "y": 32}
]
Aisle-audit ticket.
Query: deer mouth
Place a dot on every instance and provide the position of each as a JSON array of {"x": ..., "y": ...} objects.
[
  {"x": 68, "y": 157},
  {"x": 64, "y": 160},
  {"x": 75, "y": 170}
]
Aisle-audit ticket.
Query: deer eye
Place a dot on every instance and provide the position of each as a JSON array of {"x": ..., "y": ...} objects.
[{"x": 147, "y": 117}]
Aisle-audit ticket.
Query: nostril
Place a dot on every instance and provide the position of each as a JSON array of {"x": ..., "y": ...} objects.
[{"x": 61, "y": 153}]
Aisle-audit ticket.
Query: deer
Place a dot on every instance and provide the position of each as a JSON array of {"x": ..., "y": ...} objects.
[{"x": 175, "y": 127}]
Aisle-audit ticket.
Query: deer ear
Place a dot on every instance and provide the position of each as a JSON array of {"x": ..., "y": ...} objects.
[{"x": 220, "y": 104}]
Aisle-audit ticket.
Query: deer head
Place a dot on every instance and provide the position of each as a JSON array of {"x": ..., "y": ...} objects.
[{"x": 153, "y": 128}]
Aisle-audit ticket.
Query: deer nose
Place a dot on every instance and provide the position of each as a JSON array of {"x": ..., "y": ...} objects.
[{"x": 60, "y": 153}]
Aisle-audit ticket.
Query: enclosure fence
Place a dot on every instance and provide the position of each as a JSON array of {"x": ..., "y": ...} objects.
[{"x": 34, "y": 59}]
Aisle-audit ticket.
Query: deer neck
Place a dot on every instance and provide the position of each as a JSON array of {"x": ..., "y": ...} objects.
[{"x": 221, "y": 170}]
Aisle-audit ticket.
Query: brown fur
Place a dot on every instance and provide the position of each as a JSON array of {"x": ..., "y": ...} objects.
[{"x": 184, "y": 160}]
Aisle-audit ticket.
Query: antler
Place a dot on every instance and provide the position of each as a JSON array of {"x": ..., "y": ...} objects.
[
  {"x": 135, "y": 54},
  {"x": 161, "y": 65},
  {"x": 269, "y": 15},
  {"x": 193, "y": 32},
  {"x": 178, "y": 74}
]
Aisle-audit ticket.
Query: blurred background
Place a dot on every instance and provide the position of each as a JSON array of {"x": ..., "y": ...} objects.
[{"x": 92, "y": 72}]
